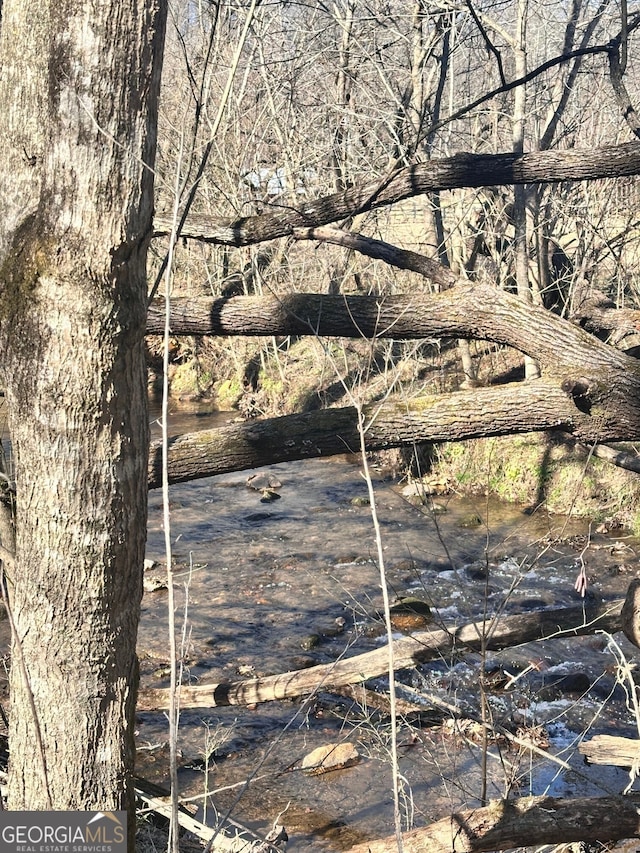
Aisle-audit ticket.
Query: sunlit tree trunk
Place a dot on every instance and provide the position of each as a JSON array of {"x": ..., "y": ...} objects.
[
  {"x": 521, "y": 248},
  {"x": 78, "y": 89},
  {"x": 341, "y": 141}
]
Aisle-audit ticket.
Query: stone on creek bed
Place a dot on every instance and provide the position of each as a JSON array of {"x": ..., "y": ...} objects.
[
  {"x": 263, "y": 480},
  {"x": 332, "y": 756}
]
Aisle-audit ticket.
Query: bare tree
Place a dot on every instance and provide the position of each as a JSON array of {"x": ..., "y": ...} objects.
[{"x": 78, "y": 87}]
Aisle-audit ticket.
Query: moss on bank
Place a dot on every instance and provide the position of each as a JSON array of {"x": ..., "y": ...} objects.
[{"x": 543, "y": 470}]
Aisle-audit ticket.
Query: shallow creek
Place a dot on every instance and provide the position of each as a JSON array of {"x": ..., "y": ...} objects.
[{"x": 272, "y": 586}]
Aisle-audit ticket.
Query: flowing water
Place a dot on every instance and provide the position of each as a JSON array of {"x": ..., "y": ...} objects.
[{"x": 270, "y": 585}]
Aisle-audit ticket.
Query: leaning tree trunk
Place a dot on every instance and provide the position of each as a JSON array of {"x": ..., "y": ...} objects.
[{"x": 78, "y": 95}]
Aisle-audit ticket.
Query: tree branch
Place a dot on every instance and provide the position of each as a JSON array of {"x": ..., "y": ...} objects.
[
  {"x": 462, "y": 170},
  {"x": 621, "y": 92},
  {"x": 490, "y": 45},
  {"x": 392, "y": 255},
  {"x": 617, "y": 67}
]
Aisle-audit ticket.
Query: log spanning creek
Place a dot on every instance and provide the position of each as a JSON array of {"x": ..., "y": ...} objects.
[{"x": 284, "y": 577}]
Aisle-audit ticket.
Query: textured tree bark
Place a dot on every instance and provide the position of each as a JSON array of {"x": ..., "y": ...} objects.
[
  {"x": 475, "y": 311},
  {"x": 620, "y": 327},
  {"x": 484, "y": 412},
  {"x": 78, "y": 87}
]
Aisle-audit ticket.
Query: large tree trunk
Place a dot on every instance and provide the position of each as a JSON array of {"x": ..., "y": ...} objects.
[{"x": 78, "y": 90}]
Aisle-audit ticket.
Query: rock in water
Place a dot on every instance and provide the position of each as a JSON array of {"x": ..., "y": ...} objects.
[
  {"x": 410, "y": 614},
  {"x": 268, "y": 495},
  {"x": 332, "y": 756},
  {"x": 264, "y": 480}
]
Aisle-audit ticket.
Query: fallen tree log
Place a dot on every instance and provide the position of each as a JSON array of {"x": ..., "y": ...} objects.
[
  {"x": 589, "y": 389},
  {"x": 598, "y": 403},
  {"x": 478, "y": 413},
  {"x": 407, "y": 652},
  {"x": 461, "y": 170},
  {"x": 611, "y": 749},
  {"x": 505, "y": 824}
]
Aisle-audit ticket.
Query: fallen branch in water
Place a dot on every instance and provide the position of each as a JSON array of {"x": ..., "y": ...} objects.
[
  {"x": 505, "y": 824},
  {"x": 407, "y": 652},
  {"x": 234, "y": 837}
]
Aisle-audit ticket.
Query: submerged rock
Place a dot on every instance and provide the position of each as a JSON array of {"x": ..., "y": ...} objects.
[
  {"x": 427, "y": 486},
  {"x": 269, "y": 495},
  {"x": 470, "y": 520},
  {"x": 360, "y": 500},
  {"x": 153, "y": 583},
  {"x": 410, "y": 614},
  {"x": 311, "y": 641}
]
